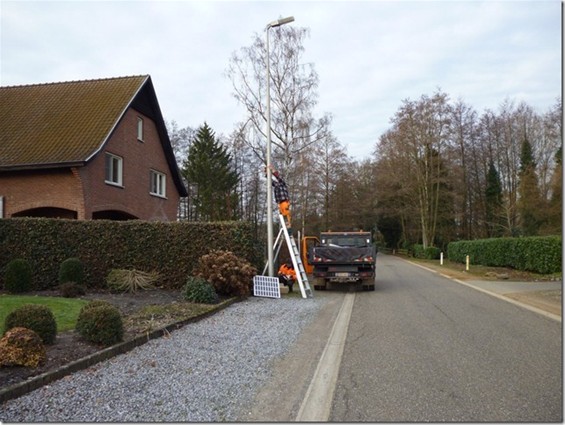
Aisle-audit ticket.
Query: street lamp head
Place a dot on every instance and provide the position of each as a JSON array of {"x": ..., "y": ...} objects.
[{"x": 280, "y": 22}]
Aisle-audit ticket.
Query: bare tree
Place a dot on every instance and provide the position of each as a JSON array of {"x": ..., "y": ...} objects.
[
  {"x": 252, "y": 193},
  {"x": 546, "y": 143},
  {"x": 181, "y": 139},
  {"x": 423, "y": 126},
  {"x": 330, "y": 162},
  {"x": 293, "y": 95}
]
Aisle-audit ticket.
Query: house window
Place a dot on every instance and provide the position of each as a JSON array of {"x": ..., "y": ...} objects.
[
  {"x": 114, "y": 169},
  {"x": 158, "y": 183},
  {"x": 140, "y": 129}
]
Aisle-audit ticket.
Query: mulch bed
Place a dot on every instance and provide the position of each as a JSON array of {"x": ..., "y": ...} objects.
[{"x": 69, "y": 346}]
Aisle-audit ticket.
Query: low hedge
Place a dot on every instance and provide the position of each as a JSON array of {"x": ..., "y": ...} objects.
[
  {"x": 429, "y": 253},
  {"x": 171, "y": 248},
  {"x": 538, "y": 254}
]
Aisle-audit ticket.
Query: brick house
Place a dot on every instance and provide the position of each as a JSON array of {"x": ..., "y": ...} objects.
[{"x": 95, "y": 149}]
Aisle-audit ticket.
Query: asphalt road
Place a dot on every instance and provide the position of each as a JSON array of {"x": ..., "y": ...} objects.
[{"x": 424, "y": 348}]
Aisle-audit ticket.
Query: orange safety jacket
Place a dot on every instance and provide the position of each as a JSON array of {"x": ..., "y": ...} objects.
[{"x": 287, "y": 271}]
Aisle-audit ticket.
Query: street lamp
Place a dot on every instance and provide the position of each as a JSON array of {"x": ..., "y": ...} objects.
[{"x": 270, "y": 256}]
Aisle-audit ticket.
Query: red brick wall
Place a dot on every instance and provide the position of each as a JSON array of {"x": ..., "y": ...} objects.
[
  {"x": 83, "y": 189},
  {"x": 24, "y": 190},
  {"x": 138, "y": 159}
]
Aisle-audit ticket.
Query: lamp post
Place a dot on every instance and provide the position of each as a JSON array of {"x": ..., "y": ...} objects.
[{"x": 270, "y": 256}]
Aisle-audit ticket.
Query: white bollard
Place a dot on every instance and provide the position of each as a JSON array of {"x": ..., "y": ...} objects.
[
  {"x": 467, "y": 263},
  {"x": 441, "y": 258}
]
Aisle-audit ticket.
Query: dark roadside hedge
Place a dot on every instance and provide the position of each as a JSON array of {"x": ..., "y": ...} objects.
[
  {"x": 538, "y": 254},
  {"x": 429, "y": 253},
  {"x": 171, "y": 248}
]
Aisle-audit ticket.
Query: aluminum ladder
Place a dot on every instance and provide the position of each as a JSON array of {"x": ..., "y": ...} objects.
[{"x": 301, "y": 275}]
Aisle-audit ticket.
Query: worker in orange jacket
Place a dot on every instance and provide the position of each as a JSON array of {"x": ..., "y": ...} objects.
[
  {"x": 281, "y": 195},
  {"x": 287, "y": 275}
]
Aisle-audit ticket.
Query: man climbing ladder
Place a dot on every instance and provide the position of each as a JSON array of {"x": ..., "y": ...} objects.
[{"x": 281, "y": 196}]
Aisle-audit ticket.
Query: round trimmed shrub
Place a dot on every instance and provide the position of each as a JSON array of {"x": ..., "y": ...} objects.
[
  {"x": 71, "y": 289},
  {"x": 71, "y": 270},
  {"x": 38, "y": 318},
  {"x": 92, "y": 304},
  {"x": 100, "y": 324},
  {"x": 17, "y": 278},
  {"x": 22, "y": 347},
  {"x": 198, "y": 290}
]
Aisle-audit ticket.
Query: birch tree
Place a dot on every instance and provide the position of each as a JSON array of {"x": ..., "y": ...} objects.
[{"x": 293, "y": 95}]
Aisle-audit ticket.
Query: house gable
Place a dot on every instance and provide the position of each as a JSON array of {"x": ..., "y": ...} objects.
[{"x": 71, "y": 126}]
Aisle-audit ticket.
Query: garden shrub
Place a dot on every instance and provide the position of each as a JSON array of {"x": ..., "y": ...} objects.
[
  {"x": 71, "y": 270},
  {"x": 198, "y": 290},
  {"x": 100, "y": 324},
  {"x": 71, "y": 289},
  {"x": 38, "y": 318},
  {"x": 432, "y": 253},
  {"x": 229, "y": 274},
  {"x": 17, "y": 278},
  {"x": 22, "y": 347},
  {"x": 121, "y": 280},
  {"x": 171, "y": 248},
  {"x": 538, "y": 254},
  {"x": 429, "y": 253}
]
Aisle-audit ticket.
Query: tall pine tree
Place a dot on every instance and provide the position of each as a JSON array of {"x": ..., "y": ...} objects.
[
  {"x": 494, "y": 207},
  {"x": 209, "y": 166},
  {"x": 530, "y": 206}
]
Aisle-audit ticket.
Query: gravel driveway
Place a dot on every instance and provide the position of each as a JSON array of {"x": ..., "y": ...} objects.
[{"x": 208, "y": 371}]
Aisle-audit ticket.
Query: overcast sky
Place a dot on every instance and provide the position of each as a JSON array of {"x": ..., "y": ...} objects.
[{"x": 369, "y": 55}]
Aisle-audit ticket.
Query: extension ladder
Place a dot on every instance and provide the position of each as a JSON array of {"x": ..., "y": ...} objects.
[{"x": 301, "y": 275}]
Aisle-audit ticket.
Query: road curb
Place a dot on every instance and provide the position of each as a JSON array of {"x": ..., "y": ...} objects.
[
  {"x": 317, "y": 403},
  {"x": 31, "y": 384},
  {"x": 502, "y": 297}
]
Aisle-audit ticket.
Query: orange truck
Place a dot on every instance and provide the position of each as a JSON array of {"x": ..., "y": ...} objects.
[{"x": 340, "y": 257}]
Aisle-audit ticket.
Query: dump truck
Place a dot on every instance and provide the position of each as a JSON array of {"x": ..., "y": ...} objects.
[{"x": 342, "y": 257}]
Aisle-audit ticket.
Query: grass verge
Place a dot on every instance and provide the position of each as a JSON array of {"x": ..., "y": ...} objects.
[
  {"x": 479, "y": 272},
  {"x": 65, "y": 310}
]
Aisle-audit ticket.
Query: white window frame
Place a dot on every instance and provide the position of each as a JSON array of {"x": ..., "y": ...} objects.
[
  {"x": 157, "y": 183},
  {"x": 109, "y": 177},
  {"x": 140, "y": 129}
]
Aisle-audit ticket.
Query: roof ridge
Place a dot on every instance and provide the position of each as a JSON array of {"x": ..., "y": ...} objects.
[{"x": 76, "y": 81}]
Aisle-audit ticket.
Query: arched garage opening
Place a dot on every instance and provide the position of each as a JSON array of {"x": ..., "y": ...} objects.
[
  {"x": 112, "y": 215},
  {"x": 47, "y": 212}
]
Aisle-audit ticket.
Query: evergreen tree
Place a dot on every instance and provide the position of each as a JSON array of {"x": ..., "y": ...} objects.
[
  {"x": 530, "y": 206},
  {"x": 494, "y": 208},
  {"x": 209, "y": 168},
  {"x": 527, "y": 161}
]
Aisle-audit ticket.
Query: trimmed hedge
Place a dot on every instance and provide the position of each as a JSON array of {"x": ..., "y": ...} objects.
[
  {"x": 429, "y": 253},
  {"x": 171, "y": 248},
  {"x": 538, "y": 254}
]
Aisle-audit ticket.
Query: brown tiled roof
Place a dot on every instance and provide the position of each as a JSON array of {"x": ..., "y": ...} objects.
[{"x": 61, "y": 123}]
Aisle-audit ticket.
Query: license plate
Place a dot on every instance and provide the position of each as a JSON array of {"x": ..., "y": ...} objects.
[{"x": 342, "y": 275}]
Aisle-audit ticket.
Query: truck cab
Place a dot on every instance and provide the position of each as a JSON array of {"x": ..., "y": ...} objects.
[{"x": 344, "y": 257}]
